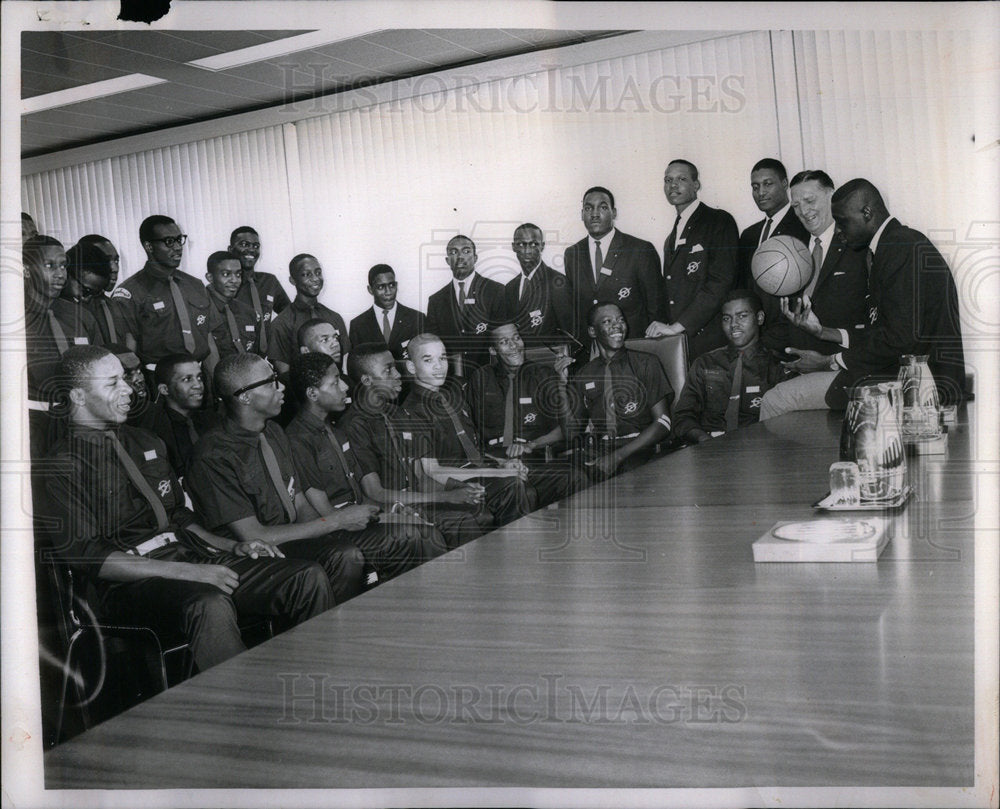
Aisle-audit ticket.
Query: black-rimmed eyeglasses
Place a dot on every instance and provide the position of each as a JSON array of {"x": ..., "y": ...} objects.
[
  {"x": 271, "y": 380},
  {"x": 170, "y": 241}
]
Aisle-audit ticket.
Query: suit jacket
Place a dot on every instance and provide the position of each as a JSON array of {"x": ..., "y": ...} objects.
[
  {"x": 547, "y": 304},
  {"x": 467, "y": 332},
  {"x": 790, "y": 225},
  {"x": 839, "y": 301},
  {"x": 698, "y": 274},
  {"x": 913, "y": 309},
  {"x": 366, "y": 328},
  {"x": 630, "y": 278}
]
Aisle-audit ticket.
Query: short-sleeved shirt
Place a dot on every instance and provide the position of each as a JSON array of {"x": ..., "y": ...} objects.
[
  {"x": 144, "y": 307},
  {"x": 227, "y": 479},
  {"x": 538, "y": 402},
  {"x": 703, "y": 402},
  {"x": 432, "y": 428},
  {"x": 103, "y": 310},
  {"x": 383, "y": 444},
  {"x": 43, "y": 353},
  {"x": 285, "y": 329},
  {"x": 638, "y": 383},
  {"x": 100, "y": 507},
  {"x": 273, "y": 297},
  {"x": 179, "y": 432},
  {"x": 318, "y": 461},
  {"x": 245, "y": 320}
]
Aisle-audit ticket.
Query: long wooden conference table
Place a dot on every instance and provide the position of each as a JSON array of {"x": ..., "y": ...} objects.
[{"x": 624, "y": 638}]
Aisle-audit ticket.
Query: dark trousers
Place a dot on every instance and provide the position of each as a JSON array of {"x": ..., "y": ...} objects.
[
  {"x": 206, "y": 616},
  {"x": 509, "y": 498},
  {"x": 342, "y": 560},
  {"x": 393, "y": 548}
]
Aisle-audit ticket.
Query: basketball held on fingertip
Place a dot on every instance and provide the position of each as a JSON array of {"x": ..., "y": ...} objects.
[{"x": 781, "y": 266}]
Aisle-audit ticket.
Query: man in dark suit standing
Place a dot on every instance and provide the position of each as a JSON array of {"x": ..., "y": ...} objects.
[
  {"x": 699, "y": 263},
  {"x": 912, "y": 309},
  {"x": 627, "y": 270},
  {"x": 387, "y": 322},
  {"x": 769, "y": 186},
  {"x": 538, "y": 299},
  {"x": 463, "y": 311}
]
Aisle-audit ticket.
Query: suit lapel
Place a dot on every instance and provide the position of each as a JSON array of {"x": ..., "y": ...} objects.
[
  {"x": 611, "y": 259},
  {"x": 831, "y": 260}
]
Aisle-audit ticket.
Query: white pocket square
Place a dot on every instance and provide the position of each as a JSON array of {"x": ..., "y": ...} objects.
[{"x": 697, "y": 248}]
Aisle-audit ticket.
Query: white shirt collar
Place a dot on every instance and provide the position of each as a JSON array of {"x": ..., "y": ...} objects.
[
  {"x": 605, "y": 242},
  {"x": 873, "y": 245},
  {"x": 467, "y": 281},
  {"x": 378, "y": 310},
  {"x": 776, "y": 219},
  {"x": 686, "y": 216}
]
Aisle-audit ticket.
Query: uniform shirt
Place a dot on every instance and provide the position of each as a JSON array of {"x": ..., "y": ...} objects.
[
  {"x": 433, "y": 431},
  {"x": 285, "y": 329},
  {"x": 273, "y": 297},
  {"x": 318, "y": 461},
  {"x": 101, "y": 509},
  {"x": 175, "y": 429},
  {"x": 144, "y": 308},
  {"x": 538, "y": 402},
  {"x": 638, "y": 382},
  {"x": 246, "y": 325},
  {"x": 391, "y": 451},
  {"x": 703, "y": 402},
  {"x": 227, "y": 479},
  {"x": 42, "y": 350},
  {"x": 101, "y": 307}
]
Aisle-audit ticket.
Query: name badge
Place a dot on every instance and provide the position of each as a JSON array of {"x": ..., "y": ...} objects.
[
  {"x": 158, "y": 305},
  {"x": 535, "y": 313},
  {"x": 249, "y": 327},
  {"x": 149, "y": 455},
  {"x": 605, "y": 271},
  {"x": 680, "y": 242},
  {"x": 81, "y": 341},
  {"x": 346, "y": 446},
  {"x": 270, "y": 298},
  {"x": 590, "y": 386},
  {"x": 407, "y": 436},
  {"x": 469, "y": 300},
  {"x": 524, "y": 400},
  {"x": 753, "y": 388}
]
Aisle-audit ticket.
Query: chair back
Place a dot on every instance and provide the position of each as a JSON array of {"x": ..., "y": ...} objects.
[{"x": 671, "y": 351}]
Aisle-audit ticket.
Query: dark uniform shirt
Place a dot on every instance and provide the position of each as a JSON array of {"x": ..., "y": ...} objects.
[
  {"x": 703, "y": 402},
  {"x": 245, "y": 321},
  {"x": 101, "y": 509},
  {"x": 318, "y": 461},
  {"x": 432, "y": 428},
  {"x": 43, "y": 353},
  {"x": 178, "y": 432},
  {"x": 285, "y": 329},
  {"x": 103, "y": 310},
  {"x": 273, "y": 297},
  {"x": 383, "y": 443},
  {"x": 145, "y": 309},
  {"x": 638, "y": 382},
  {"x": 539, "y": 402},
  {"x": 227, "y": 479}
]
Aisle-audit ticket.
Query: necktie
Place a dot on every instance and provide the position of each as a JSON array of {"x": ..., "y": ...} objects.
[
  {"x": 508, "y": 413},
  {"x": 192, "y": 432},
  {"x": 869, "y": 260},
  {"x": 386, "y": 328},
  {"x": 348, "y": 474},
  {"x": 258, "y": 309},
  {"x": 400, "y": 458},
  {"x": 140, "y": 483},
  {"x": 57, "y": 332},
  {"x": 733, "y": 408},
  {"x": 524, "y": 286},
  {"x": 112, "y": 332},
  {"x": 271, "y": 465},
  {"x": 610, "y": 418},
  {"x": 817, "y": 256},
  {"x": 471, "y": 453},
  {"x": 183, "y": 315},
  {"x": 598, "y": 262},
  {"x": 234, "y": 331},
  {"x": 765, "y": 232},
  {"x": 672, "y": 238},
  {"x": 461, "y": 293}
]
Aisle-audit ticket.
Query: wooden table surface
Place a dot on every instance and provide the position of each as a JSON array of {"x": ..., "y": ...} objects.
[{"x": 623, "y": 639}]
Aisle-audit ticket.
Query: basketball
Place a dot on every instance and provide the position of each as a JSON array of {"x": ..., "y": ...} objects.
[{"x": 782, "y": 266}]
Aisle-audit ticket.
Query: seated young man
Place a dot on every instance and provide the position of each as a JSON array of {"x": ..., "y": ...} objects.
[
  {"x": 439, "y": 419},
  {"x": 127, "y": 530},
  {"x": 519, "y": 408},
  {"x": 245, "y": 483},
  {"x": 331, "y": 476},
  {"x": 725, "y": 386},
  {"x": 178, "y": 415},
  {"x": 624, "y": 395},
  {"x": 383, "y": 444}
]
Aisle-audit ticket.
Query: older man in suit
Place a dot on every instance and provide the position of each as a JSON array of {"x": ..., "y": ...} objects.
[
  {"x": 464, "y": 310},
  {"x": 769, "y": 186},
  {"x": 699, "y": 263},
  {"x": 538, "y": 298},
  {"x": 912, "y": 309},
  {"x": 387, "y": 322},
  {"x": 611, "y": 266}
]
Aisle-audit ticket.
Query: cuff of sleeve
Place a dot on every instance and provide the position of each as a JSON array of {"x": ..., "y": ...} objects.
[
  {"x": 845, "y": 338},
  {"x": 837, "y": 362}
]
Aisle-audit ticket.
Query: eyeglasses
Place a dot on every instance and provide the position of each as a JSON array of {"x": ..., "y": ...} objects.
[
  {"x": 271, "y": 380},
  {"x": 170, "y": 241},
  {"x": 245, "y": 245}
]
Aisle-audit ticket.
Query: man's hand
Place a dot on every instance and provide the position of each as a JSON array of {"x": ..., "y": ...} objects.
[
  {"x": 658, "y": 329},
  {"x": 807, "y": 360},
  {"x": 517, "y": 465},
  {"x": 561, "y": 364},
  {"x": 354, "y": 518},
  {"x": 218, "y": 575},
  {"x": 801, "y": 315},
  {"x": 605, "y": 465},
  {"x": 257, "y": 548},
  {"x": 519, "y": 448},
  {"x": 469, "y": 494}
]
